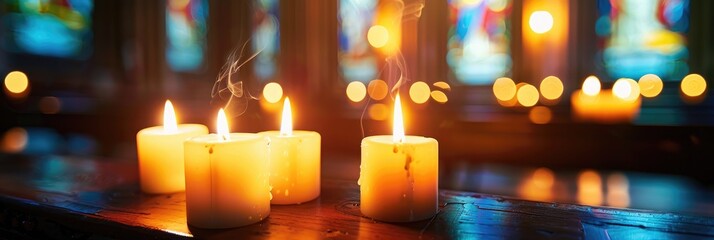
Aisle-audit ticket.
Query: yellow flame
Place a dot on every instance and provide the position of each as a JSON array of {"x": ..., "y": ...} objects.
[
  {"x": 286, "y": 126},
  {"x": 591, "y": 86},
  {"x": 398, "y": 127},
  {"x": 222, "y": 125},
  {"x": 169, "y": 117}
]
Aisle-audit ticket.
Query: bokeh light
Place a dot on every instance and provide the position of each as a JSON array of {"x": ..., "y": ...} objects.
[
  {"x": 618, "y": 190},
  {"x": 419, "y": 92},
  {"x": 16, "y": 82},
  {"x": 378, "y": 111},
  {"x": 650, "y": 85},
  {"x": 50, "y": 105},
  {"x": 591, "y": 86},
  {"x": 272, "y": 92},
  {"x": 626, "y": 89},
  {"x": 439, "y": 96},
  {"x": 590, "y": 188},
  {"x": 527, "y": 95},
  {"x": 541, "y": 22},
  {"x": 377, "y": 89},
  {"x": 504, "y": 89},
  {"x": 540, "y": 115},
  {"x": 14, "y": 140},
  {"x": 693, "y": 85},
  {"x": 356, "y": 91},
  {"x": 378, "y": 36},
  {"x": 551, "y": 88},
  {"x": 443, "y": 85}
]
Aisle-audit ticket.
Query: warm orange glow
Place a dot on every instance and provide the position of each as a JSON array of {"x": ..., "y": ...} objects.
[
  {"x": 540, "y": 22},
  {"x": 504, "y": 89},
  {"x": 439, "y": 96},
  {"x": 378, "y": 111},
  {"x": 377, "y": 89},
  {"x": 650, "y": 85},
  {"x": 539, "y": 186},
  {"x": 378, "y": 36},
  {"x": 356, "y": 91},
  {"x": 419, "y": 92},
  {"x": 16, "y": 82},
  {"x": 590, "y": 188},
  {"x": 222, "y": 125},
  {"x": 14, "y": 140},
  {"x": 398, "y": 135},
  {"x": 272, "y": 92},
  {"x": 591, "y": 86},
  {"x": 169, "y": 117},
  {"x": 286, "y": 125},
  {"x": 551, "y": 88},
  {"x": 527, "y": 95},
  {"x": 693, "y": 85},
  {"x": 540, "y": 115},
  {"x": 618, "y": 190},
  {"x": 386, "y": 33},
  {"x": 626, "y": 89}
]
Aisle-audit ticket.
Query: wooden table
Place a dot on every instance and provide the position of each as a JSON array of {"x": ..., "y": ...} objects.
[{"x": 63, "y": 197}]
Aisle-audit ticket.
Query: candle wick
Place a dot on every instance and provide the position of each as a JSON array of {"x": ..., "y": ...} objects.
[{"x": 224, "y": 137}]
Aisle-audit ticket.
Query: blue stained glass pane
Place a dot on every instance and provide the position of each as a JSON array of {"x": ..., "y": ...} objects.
[
  {"x": 48, "y": 28},
  {"x": 479, "y": 40},
  {"x": 643, "y": 37},
  {"x": 186, "y": 29}
]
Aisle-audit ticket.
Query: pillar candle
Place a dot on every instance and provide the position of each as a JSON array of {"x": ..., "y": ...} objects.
[
  {"x": 294, "y": 158},
  {"x": 160, "y": 152},
  {"x": 226, "y": 179},
  {"x": 593, "y": 104},
  {"x": 399, "y": 175}
]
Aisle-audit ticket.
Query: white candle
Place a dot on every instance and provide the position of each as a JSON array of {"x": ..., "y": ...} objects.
[
  {"x": 399, "y": 176},
  {"x": 160, "y": 151},
  {"x": 226, "y": 178},
  {"x": 294, "y": 162}
]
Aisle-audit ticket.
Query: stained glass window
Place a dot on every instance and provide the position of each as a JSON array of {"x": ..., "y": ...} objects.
[
  {"x": 639, "y": 37},
  {"x": 266, "y": 39},
  {"x": 186, "y": 28},
  {"x": 357, "y": 59},
  {"x": 55, "y": 28},
  {"x": 479, "y": 40}
]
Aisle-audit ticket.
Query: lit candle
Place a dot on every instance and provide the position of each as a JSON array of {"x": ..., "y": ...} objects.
[
  {"x": 226, "y": 178},
  {"x": 621, "y": 104},
  {"x": 294, "y": 162},
  {"x": 160, "y": 151},
  {"x": 399, "y": 177}
]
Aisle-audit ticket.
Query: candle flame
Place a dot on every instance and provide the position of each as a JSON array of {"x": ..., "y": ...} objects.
[
  {"x": 591, "y": 86},
  {"x": 169, "y": 117},
  {"x": 222, "y": 125},
  {"x": 398, "y": 125},
  {"x": 286, "y": 126}
]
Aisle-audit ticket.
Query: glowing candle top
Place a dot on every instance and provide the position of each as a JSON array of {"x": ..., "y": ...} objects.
[
  {"x": 286, "y": 125},
  {"x": 398, "y": 124}
]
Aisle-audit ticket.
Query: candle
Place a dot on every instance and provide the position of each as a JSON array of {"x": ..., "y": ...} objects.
[
  {"x": 399, "y": 177},
  {"x": 160, "y": 151},
  {"x": 226, "y": 178},
  {"x": 294, "y": 162},
  {"x": 621, "y": 104}
]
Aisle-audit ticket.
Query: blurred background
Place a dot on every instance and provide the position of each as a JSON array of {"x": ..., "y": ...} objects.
[{"x": 496, "y": 82}]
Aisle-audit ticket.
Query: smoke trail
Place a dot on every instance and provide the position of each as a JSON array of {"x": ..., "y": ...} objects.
[{"x": 227, "y": 90}]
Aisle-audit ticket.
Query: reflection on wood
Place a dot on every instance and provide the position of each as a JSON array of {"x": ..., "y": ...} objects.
[{"x": 67, "y": 198}]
